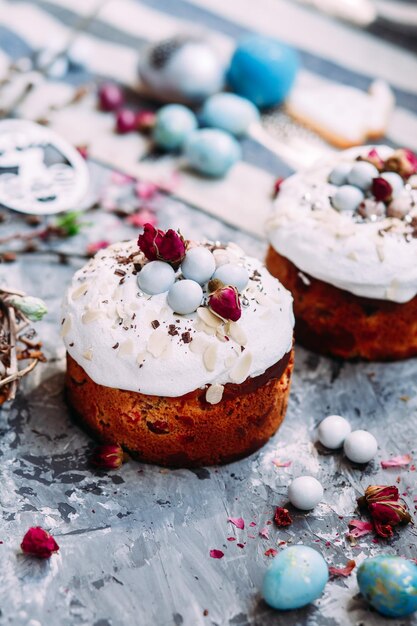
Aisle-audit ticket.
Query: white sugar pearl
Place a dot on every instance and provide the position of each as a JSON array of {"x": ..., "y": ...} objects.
[
  {"x": 156, "y": 277},
  {"x": 233, "y": 274},
  {"x": 185, "y": 296},
  {"x": 199, "y": 265},
  {"x": 338, "y": 175},
  {"x": 360, "y": 446},
  {"x": 347, "y": 198},
  {"x": 332, "y": 431},
  {"x": 361, "y": 175},
  {"x": 305, "y": 492},
  {"x": 395, "y": 181}
]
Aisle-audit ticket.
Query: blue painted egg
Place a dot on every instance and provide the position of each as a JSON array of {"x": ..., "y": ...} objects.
[
  {"x": 347, "y": 198},
  {"x": 389, "y": 583},
  {"x": 233, "y": 274},
  {"x": 395, "y": 181},
  {"x": 212, "y": 152},
  {"x": 199, "y": 265},
  {"x": 156, "y": 277},
  {"x": 229, "y": 112},
  {"x": 361, "y": 175},
  {"x": 185, "y": 296},
  {"x": 263, "y": 70},
  {"x": 173, "y": 125},
  {"x": 296, "y": 577},
  {"x": 338, "y": 175}
]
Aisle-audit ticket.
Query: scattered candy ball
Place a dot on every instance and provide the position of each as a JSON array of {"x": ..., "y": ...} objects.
[
  {"x": 212, "y": 152},
  {"x": 199, "y": 265},
  {"x": 389, "y": 584},
  {"x": 347, "y": 198},
  {"x": 305, "y": 492},
  {"x": 110, "y": 97},
  {"x": 339, "y": 174},
  {"x": 125, "y": 121},
  {"x": 372, "y": 209},
  {"x": 232, "y": 274},
  {"x": 229, "y": 112},
  {"x": 360, "y": 446},
  {"x": 395, "y": 181},
  {"x": 173, "y": 124},
  {"x": 185, "y": 296},
  {"x": 296, "y": 577},
  {"x": 156, "y": 277},
  {"x": 263, "y": 70},
  {"x": 361, "y": 175},
  {"x": 333, "y": 430}
]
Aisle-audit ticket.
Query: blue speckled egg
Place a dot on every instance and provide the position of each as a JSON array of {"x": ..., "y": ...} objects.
[
  {"x": 212, "y": 152},
  {"x": 173, "y": 125},
  {"x": 263, "y": 70},
  {"x": 347, "y": 198},
  {"x": 233, "y": 274},
  {"x": 229, "y": 112},
  {"x": 156, "y": 277},
  {"x": 296, "y": 577},
  {"x": 389, "y": 583},
  {"x": 338, "y": 175},
  {"x": 199, "y": 265},
  {"x": 185, "y": 296},
  {"x": 361, "y": 175},
  {"x": 395, "y": 181}
]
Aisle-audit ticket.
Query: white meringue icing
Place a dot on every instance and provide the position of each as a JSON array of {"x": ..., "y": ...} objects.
[
  {"x": 107, "y": 328},
  {"x": 332, "y": 247}
]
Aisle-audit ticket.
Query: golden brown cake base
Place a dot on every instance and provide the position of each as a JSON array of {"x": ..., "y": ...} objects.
[
  {"x": 184, "y": 431},
  {"x": 335, "y": 322}
]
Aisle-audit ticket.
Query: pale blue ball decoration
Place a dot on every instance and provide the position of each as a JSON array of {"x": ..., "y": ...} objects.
[
  {"x": 229, "y": 112},
  {"x": 173, "y": 125},
  {"x": 296, "y": 577},
  {"x": 395, "y": 181},
  {"x": 389, "y": 584},
  {"x": 263, "y": 70},
  {"x": 361, "y": 175},
  {"x": 199, "y": 265},
  {"x": 339, "y": 174},
  {"x": 185, "y": 296},
  {"x": 347, "y": 198},
  {"x": 233, "y": 274},
  {"x": 212, "y": 152},
  {"x": 156, "y": 277}
]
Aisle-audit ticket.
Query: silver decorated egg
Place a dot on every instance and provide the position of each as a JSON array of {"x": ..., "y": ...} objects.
[{"x": 156, "y": 277}]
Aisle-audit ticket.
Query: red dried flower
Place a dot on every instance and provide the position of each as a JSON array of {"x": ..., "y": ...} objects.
[
  {"x": 145, "y": 121},
  {"x": 37, "y": 542},
  {"x": 225, "y": 303},
  {"x": 282, "y": 517},
  {"x": 386, "y": 508},
  {"x": 277, "y": 186},
  {"x": 166, "y": 246},
  {"x": 216, "y": 554},
  {"x": 271, "y": 552},
  {"x": 358, "y": 528},
  {"x": 374, "y": 158},
  {"x": 239, "y": 522},
  {"x": 402, "y": 161},
  {"x": 108, "y": 456},
  {"x": 381, "y": 189}
]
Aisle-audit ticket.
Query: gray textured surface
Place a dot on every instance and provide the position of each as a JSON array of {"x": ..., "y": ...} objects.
[{"x": 134, "y": 544}]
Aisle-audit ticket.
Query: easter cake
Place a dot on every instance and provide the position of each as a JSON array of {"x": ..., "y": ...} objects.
[
  {"x": 180, "y": 352},
  {"x": 343, "y": 240}
]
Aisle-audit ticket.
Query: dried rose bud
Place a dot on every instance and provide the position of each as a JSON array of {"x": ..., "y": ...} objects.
[
  {"x": 379, "y": 493},
  {"x": 381, "y": 189},
  {"x": 37, "y": 542},
  {"x": 33, "y": 308},
  {"x": 282, "y": 517},
  {"x": 402, "y": 161},
  {"x": 387, "y": 514},
  {"x": 168, "y": 246},
  {"x": 374, "y": 158},
  {"x": 108, "y": 456},
  {"x": 214, "y": 283},
  {"x": 225, "y": 303},
  {"x": 277, "y": 186},
  {"x": 145, "y": 121}
]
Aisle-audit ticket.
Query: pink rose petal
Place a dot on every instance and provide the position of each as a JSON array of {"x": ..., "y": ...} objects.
[
  {"x": 357, "y": 528},
  {"x": 216, "y": 554},
  {"x": 231, "y": 538},
  {"x": 271, "y": 552},
  {"x": 397, "y": 461},
  {"x": 237, "y": 521},
  {"x": 252, "y": 524},
  {"x": 264, "y": 533},
  {"x": 145, "y": 190},
  {"x": 343, "y": 571},
  {"x": 141, "y": 218},
  {"x": 279, "y": 463}
]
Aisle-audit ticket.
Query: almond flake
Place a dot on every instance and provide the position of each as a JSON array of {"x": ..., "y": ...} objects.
[
  {"x": 236, "y": 332},
  {"x": 66, "y": 327},
  {"x": 91, "y": 315},
  {"x": 379, "y": 245},
  {"x": 79, "y": 291},
  {"x": 208, "y": 317},
  {"x": 352, "y": 255},
  {"x": 214, "y": 394},
  {"x": 230, "y": 360},
  {"x": 141, "y": 358},
  {"x": 158, "y": 342},
  {"x": 210, "y": 357},
  {"x": 125, "y": 348},
  {"x": 88, "y": 354},
  {"x": 198, "y": 344},
  {"x": 202, "y": 327},
  {"x": 240, "y": 370}
]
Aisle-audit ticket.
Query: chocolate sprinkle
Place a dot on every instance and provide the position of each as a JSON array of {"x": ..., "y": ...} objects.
[{"x": 155, "y": 324}]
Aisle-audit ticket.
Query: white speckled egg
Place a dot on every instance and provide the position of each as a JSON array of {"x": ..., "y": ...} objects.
[
  {"x": 305, "y": 492},
  {"x": 361, "y": 175},
  {"x": 332, "y": 431},
  {"x": 360, "y": 446},
  {"x": 233, "y": 274},
  {"x": 185, "y": 296},
  {"x": 199, "y": 265},
  {"x": 156, "y": 277}
]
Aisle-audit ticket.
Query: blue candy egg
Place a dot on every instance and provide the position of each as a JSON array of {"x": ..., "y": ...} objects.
[
  {"x": 338, "y": 175},
  {"x": 156, "y": 277},
  {"x": 233, "y": 274},
  {"x": 395, "y": 181},
  {"x": 263, "y": 70},
  {"x": 173, "y": 125},
  {"x": 212, "y": 152},
  {"x": 199, "y": 265},
  {"x": 229, "y": 112},
  {"x": 347, "y": 198},
  {"x": 361, "y": 175},
  {"x": 296, "y": 577},
  {"x": 185, "y": 296},
  {"x": 389, "y": 583}
]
